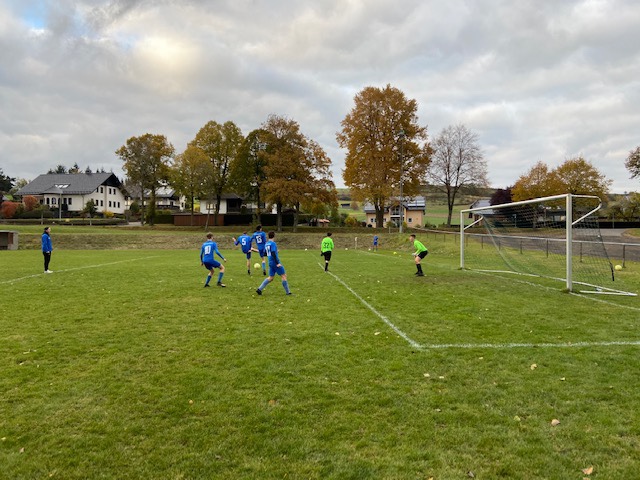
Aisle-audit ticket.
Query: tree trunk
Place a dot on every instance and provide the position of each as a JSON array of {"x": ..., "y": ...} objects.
[
  {"x": 279, "y": 216},
  {"x": 379, "y": 215},
  {"x": 296, "y": 212}
]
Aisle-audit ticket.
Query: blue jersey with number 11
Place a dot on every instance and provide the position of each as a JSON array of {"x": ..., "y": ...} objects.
[{"x": 271, "y": 250}]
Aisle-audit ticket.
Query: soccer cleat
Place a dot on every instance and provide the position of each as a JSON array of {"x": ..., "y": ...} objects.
[
  {"x": 258, "y": 291},
  {"x": 419, "y": 274},
  {"x": 264, "y": 273},
  {"x": 290, "y": 293},
  {"x": 48, "y": 271},
  {"x": 220, "y": 284},
  {"x": 207, "y": 285}
]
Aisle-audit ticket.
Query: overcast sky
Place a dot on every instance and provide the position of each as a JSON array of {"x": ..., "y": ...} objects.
[{"x": 537, "y": 80}]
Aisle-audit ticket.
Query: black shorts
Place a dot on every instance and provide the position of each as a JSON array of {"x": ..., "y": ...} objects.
[
  {"x": 423, "y": 254},
  {"x": 327, "y": 255}
]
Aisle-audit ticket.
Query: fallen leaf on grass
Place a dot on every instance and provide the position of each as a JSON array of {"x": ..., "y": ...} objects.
[
  {"x": 587, "y": 471},
  {"x": 273, "y": 402},
  {"x": 533, "y": 366},
  {"x": 555, "y": 422}
]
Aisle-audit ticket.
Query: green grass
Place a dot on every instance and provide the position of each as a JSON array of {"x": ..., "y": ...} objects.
[{"x": 120, "y": 365}]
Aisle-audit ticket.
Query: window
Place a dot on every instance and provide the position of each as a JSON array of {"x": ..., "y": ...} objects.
[
  {"x": 109, "y": 203},
  {"x": 53, "y": 201},
  {"x": 69, "y": 200},
  {"x": 102, "y": 203},
  {"x": 47, "y": 200},
  {"x": 101, "y": 190},
  {"x": 409, "y": 219},
  {"x": 118, "y": 204}
]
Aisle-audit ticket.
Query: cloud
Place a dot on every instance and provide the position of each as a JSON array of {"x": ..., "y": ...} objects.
[{"x": 538, "y": 81}]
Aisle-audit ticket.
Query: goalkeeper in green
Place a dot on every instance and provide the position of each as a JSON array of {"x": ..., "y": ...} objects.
[
  {"x": 326, "y": 247},
  {"x": 420, "y": 253}
]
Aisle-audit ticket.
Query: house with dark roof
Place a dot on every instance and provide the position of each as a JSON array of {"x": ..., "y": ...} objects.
[
  {"x": 71, "y": 191},
  {"x": 166, "y": 197},
  {"x": 413, "y": 212}
]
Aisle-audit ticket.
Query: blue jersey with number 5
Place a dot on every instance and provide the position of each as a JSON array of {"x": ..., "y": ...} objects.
[{"x": 245, "y": 243}]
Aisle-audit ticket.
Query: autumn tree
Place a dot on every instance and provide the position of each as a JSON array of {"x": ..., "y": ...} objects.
[
  {"x": 457, "y": 162},
  {"x": 220, "y": 143},
  {"x": 579, "y": 177},
  {"x": 633, "y": 163},
  {"x": 576, "y": 176},
  {"x": 188, "y": 173},
  {"x": 146, "y": 162},
  {"x": 297, "y": 169},
  {"x": 381, "y": 124},
  {"x": 30, "y": 203},
  {"x": 248, "y": 171},
  {"x": 533, "y": 184}
]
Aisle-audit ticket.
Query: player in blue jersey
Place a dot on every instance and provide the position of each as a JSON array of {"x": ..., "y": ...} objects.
[
  {"x": 207, "y": 258},
  {"x": 275, "y": 267},
  {"x": 244, "y": 241},
  {"x": 260, "y": 239}
]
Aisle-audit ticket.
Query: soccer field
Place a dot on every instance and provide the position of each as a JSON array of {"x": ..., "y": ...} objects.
[{"x": 120, "y": 365}]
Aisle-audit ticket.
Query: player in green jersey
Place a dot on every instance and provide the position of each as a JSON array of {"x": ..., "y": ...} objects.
[
  {"x": 326, "y": 247},
  {"x": 420, "y": 253}
]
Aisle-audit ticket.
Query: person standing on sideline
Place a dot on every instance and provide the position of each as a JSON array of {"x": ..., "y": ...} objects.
[
  {"x": 375, "y": 243},
  {"x": 245, "y": 244},
  {"x": 420, "y": 253},
  {"x": 275, "y": 267},
  {"x": 47, "y": 248},
  {"x": 207, "y": 258},
  {"x": 260, "y": 239},
  {"x": 326, "y": 247}
]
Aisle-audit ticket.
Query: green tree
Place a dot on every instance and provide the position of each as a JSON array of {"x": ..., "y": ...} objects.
[
  {"x": 146, "y": 162},
  {"x": 220, "y": 143},
  {"x": 248, "y": 171},
  {"x": 6, "y": 182},
  {"x": 386, "y": 148},
  {"x": 457, "y": 162},
  {"x": 633, "y": 163},
  {"x": 188, "y": 174},
  {"x": 297, "y": 169},
  {"x": 90, "y": 210}
]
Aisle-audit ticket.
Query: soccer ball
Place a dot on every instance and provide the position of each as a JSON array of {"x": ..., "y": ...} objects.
[
  {"x": 618, "y": 267},
  {"x": 256, "y": 266}
]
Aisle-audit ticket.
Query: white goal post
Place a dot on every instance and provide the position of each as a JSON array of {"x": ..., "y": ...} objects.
[{"x": 534, "y": 228}]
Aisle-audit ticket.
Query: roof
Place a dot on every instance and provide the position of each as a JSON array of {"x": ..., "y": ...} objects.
[
  {"x": 69, "y": 183},
  {"x": 133, "y": 191}
]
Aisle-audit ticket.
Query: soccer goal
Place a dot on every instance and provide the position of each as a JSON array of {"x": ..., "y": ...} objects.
[{"x": 555, "y": 237}]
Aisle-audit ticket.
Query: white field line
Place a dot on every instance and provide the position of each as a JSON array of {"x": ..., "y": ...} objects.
[
  {"x": 493, "y": 346},
  {"x": 411, "y": 342},
  {"x": 84, "y": 267}
]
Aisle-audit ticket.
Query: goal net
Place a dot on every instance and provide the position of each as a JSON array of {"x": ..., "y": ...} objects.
[{"x": 555, "y": 237}]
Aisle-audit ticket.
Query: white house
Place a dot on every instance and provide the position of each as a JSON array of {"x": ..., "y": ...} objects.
[{"x": 71, "y": 191}]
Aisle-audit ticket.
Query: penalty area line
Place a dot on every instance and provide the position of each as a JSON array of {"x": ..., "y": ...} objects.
[
  {"x": 84, "y": 267},
  {"x": 403, "y": 335},
  {"x": 469, "y": 346}
]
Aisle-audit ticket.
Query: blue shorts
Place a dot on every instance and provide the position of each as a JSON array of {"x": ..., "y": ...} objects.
[
  {"x": 273, "y": 270},
  {"x": 248, "y": 254},
  {"x": 214, "y": 264},
  {"x": 262, "y": 253}
]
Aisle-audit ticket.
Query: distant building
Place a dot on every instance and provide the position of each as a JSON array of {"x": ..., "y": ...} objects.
[
  {"x": 166, "y": 197},
  {"x": 70, "y": 192},
  {"x": 413, "y": 212}
]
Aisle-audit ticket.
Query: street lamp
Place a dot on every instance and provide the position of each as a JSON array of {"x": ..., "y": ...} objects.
[{"x": 401, "y": 137}]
